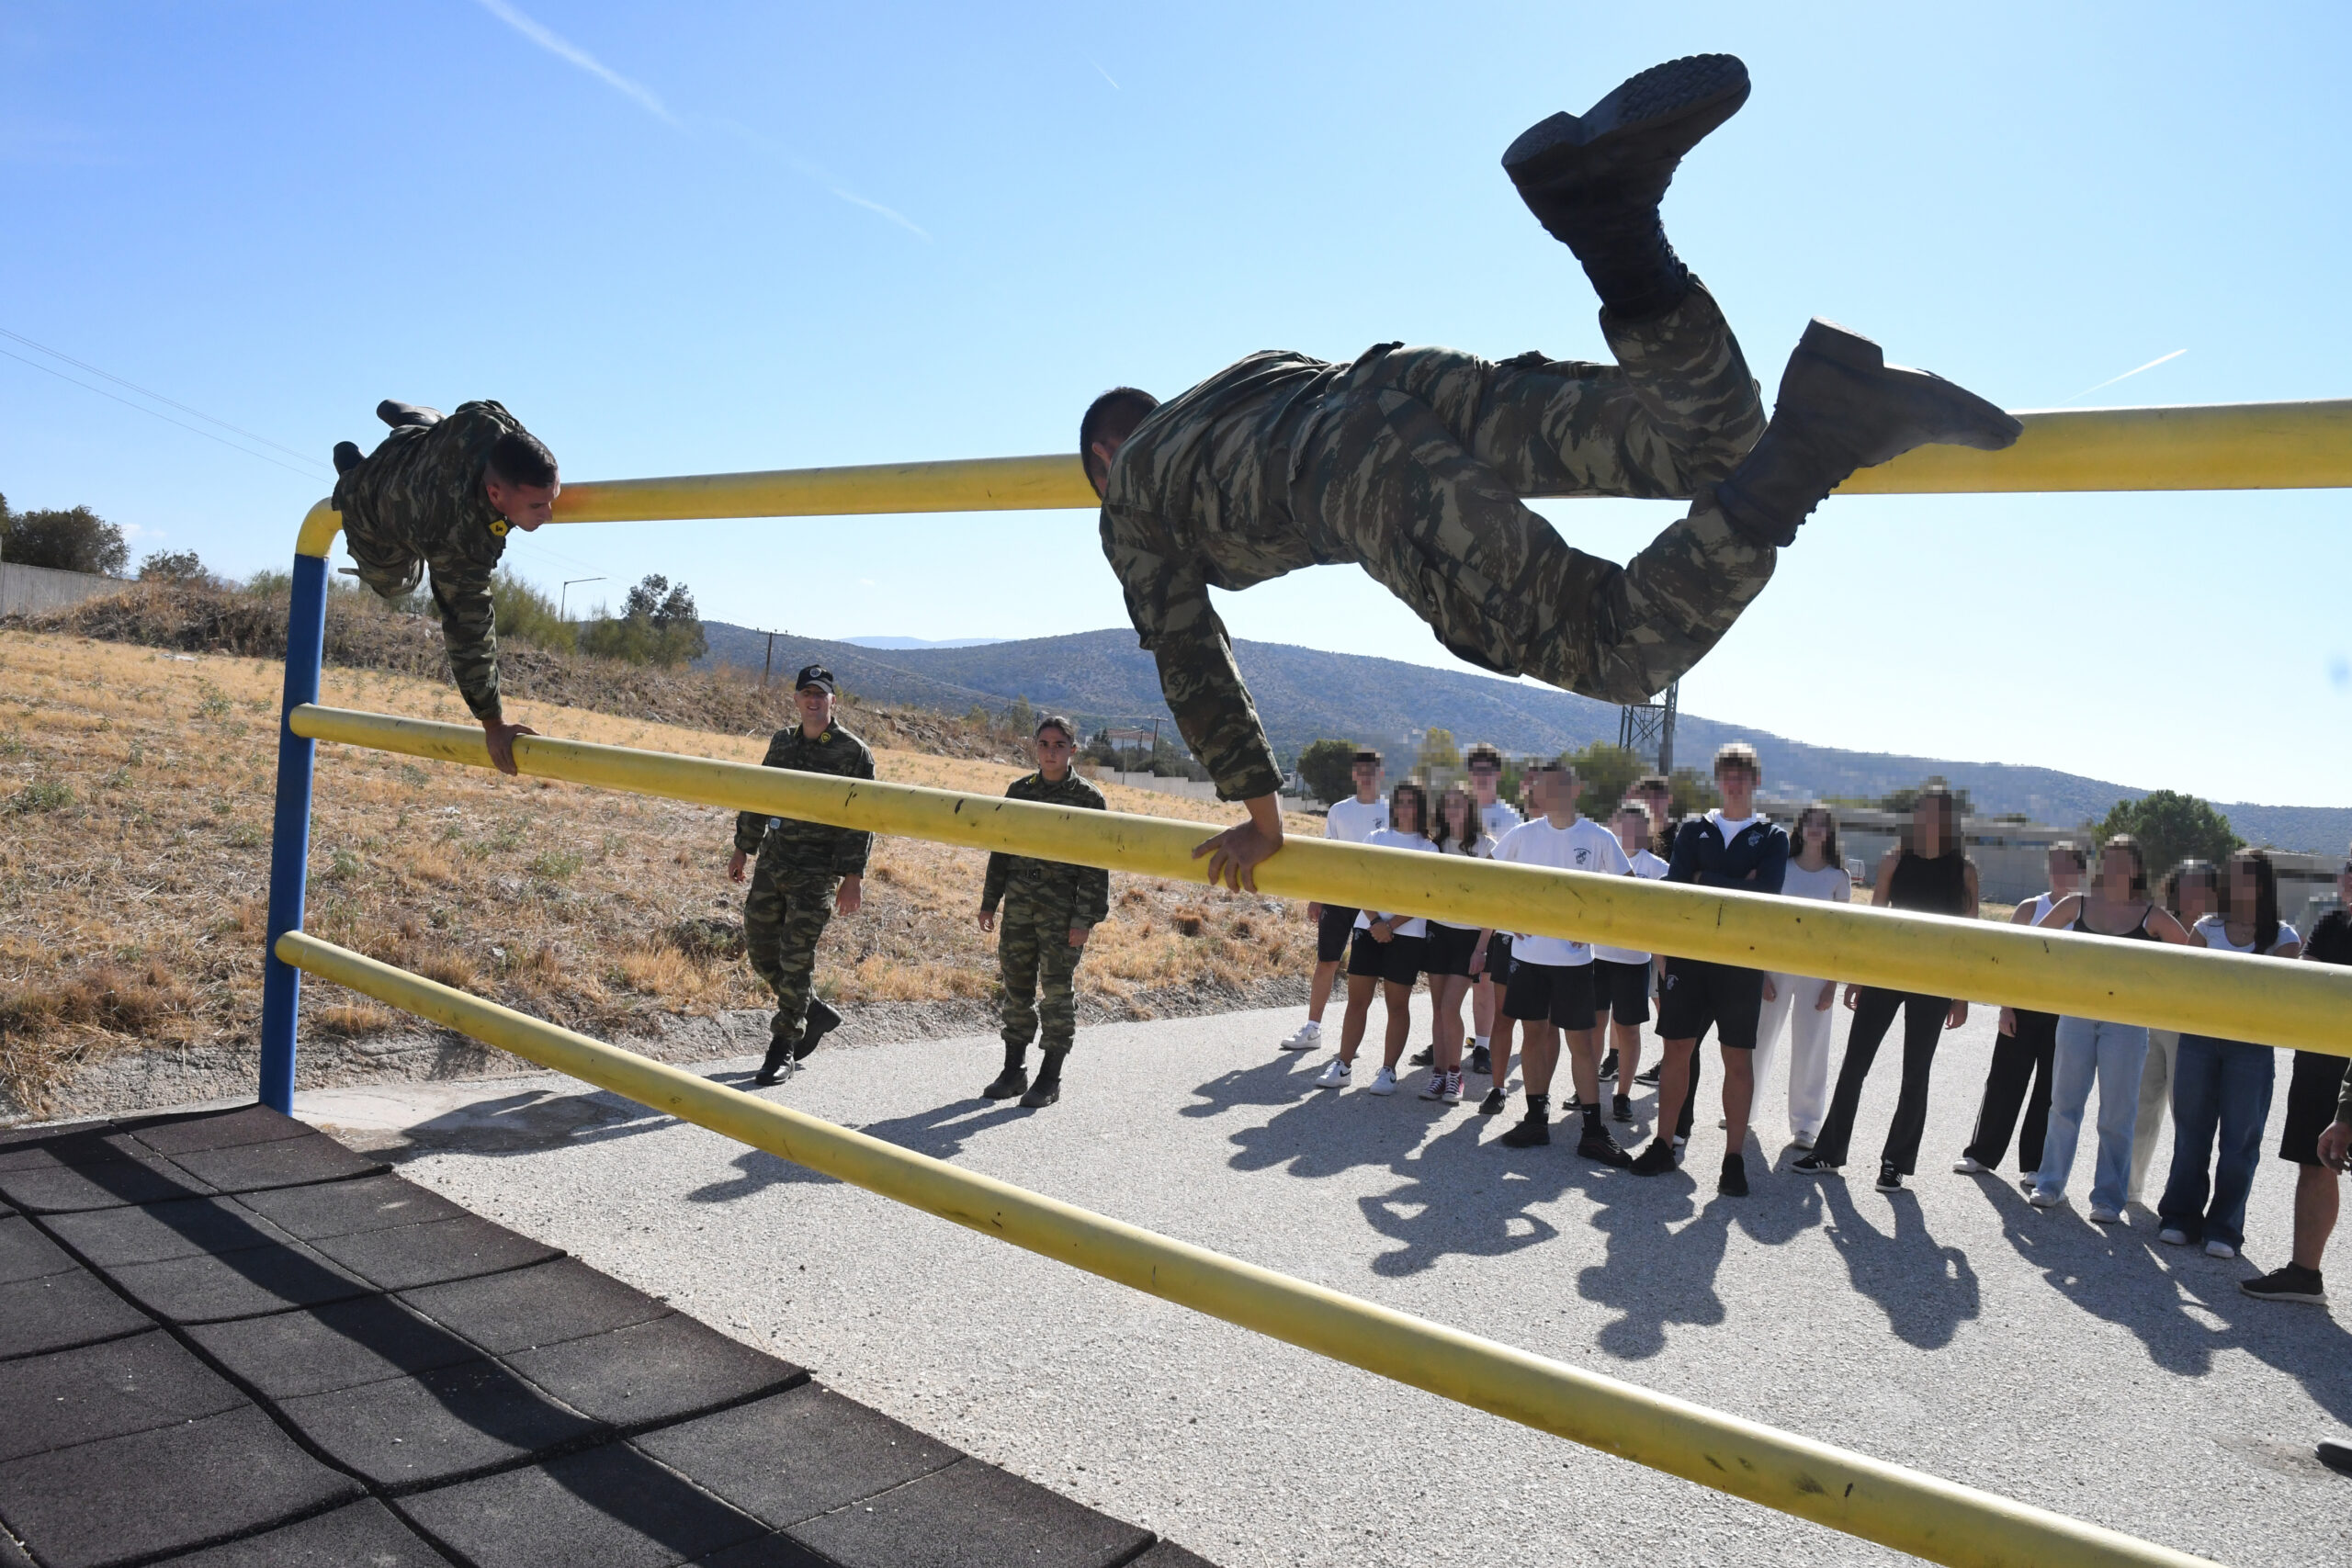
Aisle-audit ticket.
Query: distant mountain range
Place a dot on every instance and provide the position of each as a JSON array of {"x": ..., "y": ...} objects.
[
  {"x": 921, "y": 641},
  {"x": 1305, "y": 694}
]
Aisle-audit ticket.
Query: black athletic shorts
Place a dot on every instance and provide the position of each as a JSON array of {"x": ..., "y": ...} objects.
[
  {"x": 1557, "y": 994},
  {"x": 1699, "y": 995},
  {"x": 1331, "y": 933},
  {"x": 1449, "y": 949},
  {"x": 1497, "y": 967},
  {"x": 1398, "y": 960},
  {"x": 1621, "y": 990},
  {"x": 2311, "y": 1098}
]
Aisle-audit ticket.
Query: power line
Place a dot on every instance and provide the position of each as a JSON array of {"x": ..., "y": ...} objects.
[
  {"x": 83, "y": 365},
  {"x": 126, "y": 403}
]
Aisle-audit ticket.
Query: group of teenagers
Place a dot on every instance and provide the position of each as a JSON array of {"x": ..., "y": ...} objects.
[{"x": 2045, "y": 1068}]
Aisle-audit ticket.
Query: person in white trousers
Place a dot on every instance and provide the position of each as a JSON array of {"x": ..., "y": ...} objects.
[{"x": 1799, "y": 1002}]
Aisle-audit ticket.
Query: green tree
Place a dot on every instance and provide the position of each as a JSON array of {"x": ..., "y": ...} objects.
[
  {"x": 1694, "y": 793},
  {"x": 1439, "y": 753},
  {"x": 658, "y": 625},
  {"x": 1324, "y": 767},
  {"x": 2172, "y": 827},
  {"x": 75, "y": 540},
  {"x": 1608, "y": 772},
  {"x": 526, "y": 614},
  {"x": 173, "y": 566}
]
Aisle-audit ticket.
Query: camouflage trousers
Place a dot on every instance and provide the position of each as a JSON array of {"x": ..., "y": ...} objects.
[
  {"x": 1034, "y": 956},
  {"x": 783, "y": 915},
  {"x": 1418, "y": 459}
]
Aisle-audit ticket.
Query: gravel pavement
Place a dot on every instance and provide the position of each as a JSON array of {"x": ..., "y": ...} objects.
[{"x": 1950, "y": 1327}]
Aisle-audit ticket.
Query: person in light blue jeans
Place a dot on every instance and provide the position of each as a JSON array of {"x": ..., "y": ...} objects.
[
  {"x": 2220, "y": 1089},
  {"x": 2088, "y": 1051}
]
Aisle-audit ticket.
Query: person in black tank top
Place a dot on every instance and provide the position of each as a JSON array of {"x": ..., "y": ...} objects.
[
  {"x": 1930, "y": 873},
  {"x": 2018, "y": 1080}
]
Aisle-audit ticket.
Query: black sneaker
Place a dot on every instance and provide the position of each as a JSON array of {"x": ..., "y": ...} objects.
[
  {"x": 1608, "y": 1062},
  {"x": 1482, "y": 1062},
  {"x": 1423, "y": 1058},
  {"x": 1889, "y": 1178},
  {"x": 822, "y": 1020},
  {"x": 1008, "y": 1083},
  {"x": 1733, "y": 1182},
  {"x": 1814, "y": 1165},
  {"x": 2336, "y": 1456},
  {"x": 1532, "y": 1131},
  {"x": 1621, "y": 1108},
  {"x": 1597, "y": 1144},
  {"x": 777, "y": 1062},
  {"x": 1649, "y": 1075},
  {"x": 1494, "y": 1104},
  {"x": 2288, "y": 1283},
  {"x": 1656, "y": 1160}
]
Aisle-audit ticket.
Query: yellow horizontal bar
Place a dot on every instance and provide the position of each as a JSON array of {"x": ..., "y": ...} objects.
[
  {"x": 2232, "y": 995},
  {"x": 1885, "y": 1503},
  {"x": 972, "y": 484}
]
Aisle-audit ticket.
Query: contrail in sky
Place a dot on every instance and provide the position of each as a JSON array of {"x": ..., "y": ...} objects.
[
  {"x": 565, "y": 49},
  {"x": 2111, "y": 381},
  {"x": 1107, "y": 76}
]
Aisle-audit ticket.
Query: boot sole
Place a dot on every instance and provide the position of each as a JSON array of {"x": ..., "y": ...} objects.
[
  {"x": 1950, "y": 413},
  {"x": 1670, "y": 108}
]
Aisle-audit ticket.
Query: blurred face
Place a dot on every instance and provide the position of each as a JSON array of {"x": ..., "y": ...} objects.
[
  {"x": 2064, "y": 872},
  {"x": 1055, "y": 748},
  {"x": 2196, "y": 899},
  {"x": 1555, "y": 792},
  {"x": 2243, "y": 887},
  {"x": 1632, "y": 830},
  {"x": 524, "y": 506},
  {"x": 816, "y": 705},
  {"x": 1931, "y": 825},
  {"x": 1407, "y": 813},
  {"x": 1737, "y": 782},
  {"x": 1367, "y": 777},
  {"x": 1484, "y": 779},
  {"x": 1813, "y": 833},
  {"x": 1461, "y": 815},
  {"x": 2118, "y": 867}
]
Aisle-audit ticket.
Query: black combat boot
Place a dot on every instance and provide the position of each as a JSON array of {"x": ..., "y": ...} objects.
[
  {"x": 346, "y": 456},
  {"x": 1595, "y": 182},
  {"x": 1843, "y": 407},
  {"x": 1014, "y": 1079},
  {"x": 1048, "y": 1087},
  {"x": 777, "y": 1062},
  {"x": 822, "y": 1020},
  {"x": 398, "y": 414}
]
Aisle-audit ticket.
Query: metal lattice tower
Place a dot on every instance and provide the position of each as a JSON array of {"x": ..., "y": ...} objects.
[{"x": 1646, "y": 729}]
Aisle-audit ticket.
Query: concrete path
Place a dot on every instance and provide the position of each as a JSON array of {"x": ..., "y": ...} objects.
[{"x": 1951, "y": 1327}]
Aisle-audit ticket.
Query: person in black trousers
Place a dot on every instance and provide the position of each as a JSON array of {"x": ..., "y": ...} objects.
[
  {"x": 1931, "y": 874},
  {"x": 2022, "y": 1050}
]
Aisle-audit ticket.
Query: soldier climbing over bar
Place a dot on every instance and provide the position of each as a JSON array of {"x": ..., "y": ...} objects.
[
  {"x": 438, "y": 494},
  {"x": 1413, "y": 462},
  {"x": 1049, "y": 911}
]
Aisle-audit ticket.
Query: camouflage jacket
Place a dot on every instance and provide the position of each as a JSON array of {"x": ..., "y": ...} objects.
[
  {"x": 1088, "y": 888},
  {"x": 420, "y": 492},
  {"x": 810, "y": 846},
  {"x": 1199, "y": 497}
]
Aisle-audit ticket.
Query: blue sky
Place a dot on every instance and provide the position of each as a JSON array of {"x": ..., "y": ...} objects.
[{"x": 713, "y": 237}]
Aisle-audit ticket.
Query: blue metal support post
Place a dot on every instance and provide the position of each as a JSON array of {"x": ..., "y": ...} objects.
[{"x": 289, "y": 853}]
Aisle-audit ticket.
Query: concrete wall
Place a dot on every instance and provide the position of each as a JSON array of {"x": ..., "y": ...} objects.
[
  {"x": 1190, "y": 789},
  {"x": 25, "y": 590}
]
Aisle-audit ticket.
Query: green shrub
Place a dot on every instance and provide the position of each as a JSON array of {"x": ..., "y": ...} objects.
[
  {"x": 41, "y": 794},
  {"x": 525, "y": 614}
]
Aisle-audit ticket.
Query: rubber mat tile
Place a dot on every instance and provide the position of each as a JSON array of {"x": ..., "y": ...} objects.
[
  {"x": 318, "y": 1350},
  {"x": 969, "y": 1515},
  {"x": 775, "y": 1550},
  {"x": 168, "y": 1489},
  {"x": 289, "y": 1162},
  {"x": 106, "y": 1391},
  {"x": 253, "y": 1279},
  {"x": 437, "y": 1426},
  {"x": 108, "y": 1184},
  {"x": 405, "y": 1257},
  {"x": 346, "y": 1207},
  {"x": 527, "y": 1307},
  {"x": 151, "y": 1232},
  {"x": 84, "y": 1143},
  {"x": 656, "y": 1372},
  {"x": 798, "y": 1454},
  {"x": 58, "y": 1312},
  {"x": 358, "y": 1535},
  {"x": 214, "y": 1129},
  {"x": 610, "y": 1506},
  {"x": 26, "y": 1254},
  {"x": 11, "y": 1554},
  {"x": 1168, "y": 1554}
]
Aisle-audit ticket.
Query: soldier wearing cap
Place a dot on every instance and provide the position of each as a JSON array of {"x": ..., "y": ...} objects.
[
  {"x": 1050, "y": 909},
  {"x": 807, "y": 873}
]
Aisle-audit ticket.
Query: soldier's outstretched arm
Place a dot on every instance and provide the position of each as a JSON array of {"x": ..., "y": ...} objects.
[{"x": 470, "y": 632}]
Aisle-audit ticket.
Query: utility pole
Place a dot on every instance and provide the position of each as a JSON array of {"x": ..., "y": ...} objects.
[
  {"x": 1646, "y": 729},
  {"x": 564, "y": 596},
  {"x": 769, "y": 669}
]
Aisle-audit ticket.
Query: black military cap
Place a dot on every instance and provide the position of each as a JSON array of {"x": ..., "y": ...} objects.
[{"x": 815, "y": 675}]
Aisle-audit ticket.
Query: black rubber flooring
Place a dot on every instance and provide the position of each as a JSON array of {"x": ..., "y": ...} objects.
[{"x": 228, "y": 1341}]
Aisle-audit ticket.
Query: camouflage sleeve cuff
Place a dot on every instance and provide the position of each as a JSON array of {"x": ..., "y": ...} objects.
[
  {"x": 482, "y": 692},
  {"x": 851, "y": 860},
  {"x": 751, "y": 831},
  {"x": 1245, "y": 776}
]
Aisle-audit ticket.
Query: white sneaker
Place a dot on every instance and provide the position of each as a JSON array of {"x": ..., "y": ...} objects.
[
  {"x": 2173, "y": 1235},
  {"x": 2045, "y": 1198},
  {"x": 1453, "y": 1095},
  {"x": 1335, "y": 1075},
  {"x": 2103, "y": 1215},
  {"x": 2219, "y": 1249},
  {"x": 1309, "y": 1035},
  {"x": 1435, "y": 1086},
  {"x": 1384, "y": 1082},
  {"x": 1969, "y": 1165},
  {"x": 1802, "y": 1140}
]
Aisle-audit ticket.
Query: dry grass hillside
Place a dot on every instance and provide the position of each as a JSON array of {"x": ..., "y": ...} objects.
[{"x": 135, "y": 799}]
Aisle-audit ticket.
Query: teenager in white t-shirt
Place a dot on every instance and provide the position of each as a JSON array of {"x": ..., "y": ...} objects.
[
  {"x": 1497, "y": 817},
  {"x": 1353, "y": 821},
  {"x": 1456, "y": 953},
  {"x": 1386, "y": 956},
  {"x": 1550, "y": 977},
  {"x": 1801, "y": 1001},
  {"x": 1621, "y": 977}
]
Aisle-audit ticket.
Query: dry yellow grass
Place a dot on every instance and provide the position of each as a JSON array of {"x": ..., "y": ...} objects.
[{"x": 135, "y": 800}]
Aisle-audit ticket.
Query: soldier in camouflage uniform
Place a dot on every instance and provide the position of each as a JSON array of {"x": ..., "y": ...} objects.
[
  {"x": 807, "y": 873},
  {"x": 1413, "y": 463},
  {"x": 1050, "y": 910},
  {"x": 438, "y": 495}
]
